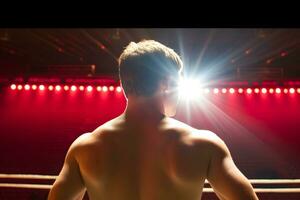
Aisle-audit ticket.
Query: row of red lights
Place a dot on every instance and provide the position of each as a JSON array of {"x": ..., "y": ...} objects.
[
  {"x": 254, "y": 90},
  {"x": 65, "y": 87},
  {"x": 119, "y": 89}
]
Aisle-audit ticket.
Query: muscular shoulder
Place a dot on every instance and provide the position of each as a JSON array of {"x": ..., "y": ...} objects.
[
  {"x": 88, "y": 140},
  {"x": 197, "y": 137}
]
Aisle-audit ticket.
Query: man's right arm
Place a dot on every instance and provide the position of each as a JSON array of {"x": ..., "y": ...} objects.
[{"x": 225, "y": 178}]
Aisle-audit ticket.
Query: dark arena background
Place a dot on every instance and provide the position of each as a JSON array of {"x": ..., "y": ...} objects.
[{"x": 57, "y": 84}]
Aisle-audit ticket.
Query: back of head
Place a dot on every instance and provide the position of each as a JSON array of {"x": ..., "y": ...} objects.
[{"x": 143, "y": 65}]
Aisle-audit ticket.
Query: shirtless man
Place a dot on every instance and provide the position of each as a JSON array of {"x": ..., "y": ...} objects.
[{"x": 144, "y": 154}]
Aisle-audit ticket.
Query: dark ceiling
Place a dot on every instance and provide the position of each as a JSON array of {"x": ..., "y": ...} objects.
[{"x": 31, "y": 51}]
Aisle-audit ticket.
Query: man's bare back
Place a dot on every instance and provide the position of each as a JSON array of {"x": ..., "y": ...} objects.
[
  {"x": 127, "y": 161},
  {"x": 144, "y": 154}
]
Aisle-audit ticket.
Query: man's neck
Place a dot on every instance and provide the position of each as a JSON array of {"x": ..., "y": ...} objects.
[{"x": 144, "y": 110}]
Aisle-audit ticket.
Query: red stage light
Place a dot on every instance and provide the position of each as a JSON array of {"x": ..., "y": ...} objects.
[
  {"x": 66, "y": 88},
  {"x": 271, "y": 90},
  {"x": 216, "y": 90},
  {"x": 298, "y": 90},
  {"x": 240, "y": 90},
  {"x": 20, "y": 87},
  {"x": 27, "y": 87},
  {"x": 231, "y": 90},
  {"x": 34, "y": 87},
  {"x": 283, "y": 54},
  {"x": 285, "y": 91},
  {"x": 13, "y": 86},
  {"x": 224, "y": 90},
  {"x": 81, "y": 88},
  {"x": 111, "y": 88},
  {"x": 99, "y": 88},
  {"x": 119, "y": 89},
  {"x": 292, "y": 90},
  {"x": 249, "y": 90},
  {"x": 89, "y": 88},
  {"x": 256, "y": 90},
  {"x": 57, "y": 88},
  {"x": 50, "y": 87},
  {"x": 42, "y": 87},
  {"x": 264, "y": 90},
  {"x": 73, "y": 88},
  {"x": 104, "y": 88},
  {"x": 278, "y": 90}
]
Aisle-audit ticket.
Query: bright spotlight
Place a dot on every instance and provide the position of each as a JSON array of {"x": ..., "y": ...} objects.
[
  {"x": 240, "y": 90},
  {"x": 216, "y": 90},
  {"x": 264, "y": 90},
  {"x": 111, "y": 88},
  {"x": 50, "y": 87},
  {"x": 249, "y": 90},
  {"x": 224, "y": 90},
  {"x": 189, "y": 88},
  {"x": 27, "y": 87},
  {"x": 119, "y": 89},
  {"x": 271, "y": 90},
  {"x": 89, "y": 88},
  {"x": 278, "y": 90},
  {"x": 34, "y": 87},
  {"x": 81, "y": 88},
  {"x": 292, "y": 90},
  {"x": 73, "y": 88},
  {"x": 42, "y": 87},
  {"x": 13, "y": 86},
  {"x": 256, "y": 90},
  {"x": 231, "y": 90},
  {"x": 58, "y": 88},
  {"x": 104, "y": 88}
]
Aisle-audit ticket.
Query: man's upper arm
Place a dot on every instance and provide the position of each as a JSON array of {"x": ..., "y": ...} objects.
[
  {"x": 69, "y": 183},
  {"x": 225, "y": 178}
]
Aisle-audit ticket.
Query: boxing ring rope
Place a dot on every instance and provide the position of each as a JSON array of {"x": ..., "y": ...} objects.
[{"x": 206, "y": 189}]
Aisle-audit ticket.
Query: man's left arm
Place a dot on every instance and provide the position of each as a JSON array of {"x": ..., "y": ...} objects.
[{"x": 69, "y": 183}]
